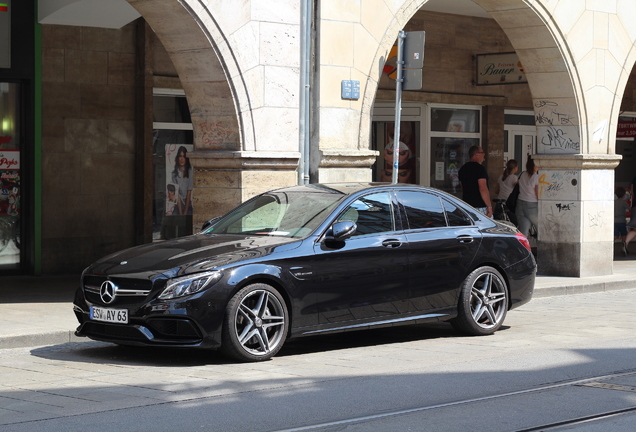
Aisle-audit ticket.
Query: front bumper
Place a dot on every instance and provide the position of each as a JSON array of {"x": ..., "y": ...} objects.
[{"x": 177, "y": 323}]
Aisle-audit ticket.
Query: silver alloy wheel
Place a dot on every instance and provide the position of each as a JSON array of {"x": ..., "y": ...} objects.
[
  {"x": 260, "y": 322},
  {"x": 488, "y": 300}
]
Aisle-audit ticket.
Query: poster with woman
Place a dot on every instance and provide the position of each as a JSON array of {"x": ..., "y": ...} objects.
[
  {"x": 179, "y": 179},
  {"x": 406, "y": 153}
]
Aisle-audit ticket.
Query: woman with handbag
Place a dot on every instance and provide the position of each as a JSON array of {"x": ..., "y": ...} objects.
[
  {"x": 527, "y": 210},
  {"x": 507, "y": 181}
]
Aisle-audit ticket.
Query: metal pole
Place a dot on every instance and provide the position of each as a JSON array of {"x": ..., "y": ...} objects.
[
  {"x": 304, "y": 108},
  {"x": 398, "y": 106}
]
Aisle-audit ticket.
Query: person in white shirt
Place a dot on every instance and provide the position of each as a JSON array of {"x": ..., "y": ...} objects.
[
  {"x": 528, "y": 203},
  {"x": 507, "y": 181}
]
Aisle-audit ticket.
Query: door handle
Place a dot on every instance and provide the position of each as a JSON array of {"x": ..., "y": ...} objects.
[
  {"x": 392, "y": 243},
  {"x": 465, "y": 239}
]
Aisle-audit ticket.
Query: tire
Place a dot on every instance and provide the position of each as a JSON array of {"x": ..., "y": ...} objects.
[
  {"x": 255, "y": 325},
  {"x": 483, "y": 303}
]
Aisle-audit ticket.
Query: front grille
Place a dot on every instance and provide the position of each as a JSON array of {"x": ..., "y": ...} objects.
[
  {"x": 129, "y": 291},
  {"x": 110, "y": 331},
  {"x": 163, "y": 331}
]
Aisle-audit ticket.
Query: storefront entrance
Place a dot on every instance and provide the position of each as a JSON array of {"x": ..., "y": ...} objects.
[{"x": 435, "y": 138}]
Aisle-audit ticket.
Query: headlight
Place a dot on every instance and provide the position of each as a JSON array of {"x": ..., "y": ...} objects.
[{"x": 186, "y": 285}]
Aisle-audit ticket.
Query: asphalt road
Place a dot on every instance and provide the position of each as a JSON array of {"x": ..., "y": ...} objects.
[{"x": 560, "y": 363}]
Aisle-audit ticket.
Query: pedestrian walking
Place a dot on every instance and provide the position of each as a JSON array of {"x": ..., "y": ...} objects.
[
  {"x": 527, "y": 210},
  {"x": 507, "y": 181},
  {"x": 474, "y": 180}
]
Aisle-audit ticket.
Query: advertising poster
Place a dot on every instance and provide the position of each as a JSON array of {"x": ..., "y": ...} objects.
[
  {"x": 9, "y": 182},
  {"x": 406, "y": 156},
  {"x": 179, "y": 179}
]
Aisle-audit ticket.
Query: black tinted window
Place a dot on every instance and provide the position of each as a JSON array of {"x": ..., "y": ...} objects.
[
  {"x": 371, "y": 213},
  {"x": 456, "y": 217},
  {"x": 423, "y": 210}
]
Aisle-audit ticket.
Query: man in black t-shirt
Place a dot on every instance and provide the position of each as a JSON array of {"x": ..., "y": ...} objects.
[{"x": 474, "y": 180}]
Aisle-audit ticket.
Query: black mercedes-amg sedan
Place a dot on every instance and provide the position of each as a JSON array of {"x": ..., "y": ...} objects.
[{"x": 308, "y": 260}]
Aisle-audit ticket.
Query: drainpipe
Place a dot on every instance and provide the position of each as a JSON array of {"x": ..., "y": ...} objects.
[{"x": 306, "y": 9}]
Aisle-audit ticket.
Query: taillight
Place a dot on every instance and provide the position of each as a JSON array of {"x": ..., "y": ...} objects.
[{"x": 524, "y": 241}]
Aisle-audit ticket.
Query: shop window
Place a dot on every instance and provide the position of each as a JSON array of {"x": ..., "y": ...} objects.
[
  {"x": 10, "y": 175},
  {"x": 383, "y": 134},
  {"x": 455, "y": 120},
  {"x": 173, "y": 174}
]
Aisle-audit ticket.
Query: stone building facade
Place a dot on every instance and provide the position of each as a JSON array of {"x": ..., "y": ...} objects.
[{"x": 238, "y": 64}]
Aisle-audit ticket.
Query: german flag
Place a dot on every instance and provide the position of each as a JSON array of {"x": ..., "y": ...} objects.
[{"x": 4, "y": 7}]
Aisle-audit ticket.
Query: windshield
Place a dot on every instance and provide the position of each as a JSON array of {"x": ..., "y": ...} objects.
[{"x": 280, "y": 213}]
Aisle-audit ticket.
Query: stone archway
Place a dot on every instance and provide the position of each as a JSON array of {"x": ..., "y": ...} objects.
[
  {"x": 551, "y": 75},
  {"x": 559, "y": 48},
  {"x": 235, "y": 90},
  {"x": 212, "y": 100}
]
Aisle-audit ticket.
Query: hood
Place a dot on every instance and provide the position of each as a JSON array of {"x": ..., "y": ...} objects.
[{"x": 191, "y": 254}]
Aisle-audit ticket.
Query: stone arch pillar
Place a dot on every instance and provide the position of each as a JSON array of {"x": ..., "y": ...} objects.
[{"x": 237, "y": 63}]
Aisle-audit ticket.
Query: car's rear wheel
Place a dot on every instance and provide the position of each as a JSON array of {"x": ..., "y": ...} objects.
[
  {"x": 256, "y": 324},
  {"x": 483, "y": 303}
]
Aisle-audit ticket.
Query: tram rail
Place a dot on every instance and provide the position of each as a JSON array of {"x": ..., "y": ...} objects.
[{"x": 542, "y": 427}]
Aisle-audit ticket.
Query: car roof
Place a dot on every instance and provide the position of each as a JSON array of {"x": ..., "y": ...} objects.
[{"x": 350, "y": 188}]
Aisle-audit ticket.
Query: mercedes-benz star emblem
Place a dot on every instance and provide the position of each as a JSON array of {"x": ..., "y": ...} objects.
[{"x": 108, "y": 292}]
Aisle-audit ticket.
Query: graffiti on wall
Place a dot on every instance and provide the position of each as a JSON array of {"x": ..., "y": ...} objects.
[
  {"x": 559, "y": 185},
  {"x": 557, "y": 133}
]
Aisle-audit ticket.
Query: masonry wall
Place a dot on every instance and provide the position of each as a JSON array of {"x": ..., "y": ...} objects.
[{"x": 88, "y": 147}]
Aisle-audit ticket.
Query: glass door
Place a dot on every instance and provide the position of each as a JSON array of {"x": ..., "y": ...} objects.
[{"x": 454, "y": 129}]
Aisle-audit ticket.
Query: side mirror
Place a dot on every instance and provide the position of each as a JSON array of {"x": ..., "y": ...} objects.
[
  {"x": 209, "y": 223},
  {"x": 340, "y": 231}
]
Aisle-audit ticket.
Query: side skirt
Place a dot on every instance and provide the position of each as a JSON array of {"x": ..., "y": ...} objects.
[{"x": 368, "y": 325}]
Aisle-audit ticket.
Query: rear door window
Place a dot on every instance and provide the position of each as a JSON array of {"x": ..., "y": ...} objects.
[
  {"x": 423, "y": 210},
  {"x": 455, "y": 215}
]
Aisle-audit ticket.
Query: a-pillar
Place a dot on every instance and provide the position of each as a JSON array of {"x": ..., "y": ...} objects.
[{"x": 576, "y": 214}]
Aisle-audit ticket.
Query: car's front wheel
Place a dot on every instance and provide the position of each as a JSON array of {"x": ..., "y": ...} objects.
[
  {"x": 483, "y": 303},
  {"x": 256, "y": 323}
]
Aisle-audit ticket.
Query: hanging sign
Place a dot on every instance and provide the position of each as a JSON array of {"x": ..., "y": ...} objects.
[{"x": 496, "y": 69}]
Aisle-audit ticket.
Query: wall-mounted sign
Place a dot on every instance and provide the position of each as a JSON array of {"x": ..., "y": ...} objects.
[
  {"x": 626, "y": 129},
  {"x": 350, "y": 89},
  {"x": 5, "y": 34},
  {"x": 496, "y": 69}
]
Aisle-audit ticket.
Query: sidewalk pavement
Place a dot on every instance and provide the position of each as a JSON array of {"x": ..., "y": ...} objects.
[{"x": 37, "y": 311}]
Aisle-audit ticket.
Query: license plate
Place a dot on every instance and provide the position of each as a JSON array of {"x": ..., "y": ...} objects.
[{"x": 119, "y": 316}]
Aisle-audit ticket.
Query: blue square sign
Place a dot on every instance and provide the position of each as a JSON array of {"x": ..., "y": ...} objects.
[{"x": 350, "y": 89}]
